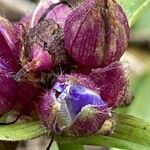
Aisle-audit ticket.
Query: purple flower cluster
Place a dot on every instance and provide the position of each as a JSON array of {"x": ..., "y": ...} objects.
[{"x": 86, "y": 42}]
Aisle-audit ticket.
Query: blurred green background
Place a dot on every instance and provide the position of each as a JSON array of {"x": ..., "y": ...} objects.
[{"x": 138, "y": 54}]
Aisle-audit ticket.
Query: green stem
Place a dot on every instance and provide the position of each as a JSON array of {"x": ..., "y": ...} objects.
[{"x": 70, "y": 146}]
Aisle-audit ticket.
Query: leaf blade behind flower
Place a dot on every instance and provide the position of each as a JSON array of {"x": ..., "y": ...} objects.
[
  {"x": 133, "y": 8},
  {"x": 129, "y": 133},
  {"x": 21, "y": 131}
]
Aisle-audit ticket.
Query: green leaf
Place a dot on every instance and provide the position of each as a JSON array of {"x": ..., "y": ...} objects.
[
  {"x": 133, "y": 8},
  {"x": 129, "y": 133},
  {"x": 21, "y": 131}
]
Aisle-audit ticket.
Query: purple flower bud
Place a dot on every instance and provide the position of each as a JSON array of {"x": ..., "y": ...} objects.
[
  {"x": 8, "y": 93},
  {"x": 58, "y": 14},
  {"x": 96, "y": 33},
  {"x": 72, "y": 102}
]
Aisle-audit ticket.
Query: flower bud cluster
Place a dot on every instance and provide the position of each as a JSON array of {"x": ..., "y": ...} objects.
[{"x": 86, "y": 42}]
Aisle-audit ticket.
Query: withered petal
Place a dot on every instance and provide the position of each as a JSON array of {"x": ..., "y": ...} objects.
[{"x": 58, "y": 14}]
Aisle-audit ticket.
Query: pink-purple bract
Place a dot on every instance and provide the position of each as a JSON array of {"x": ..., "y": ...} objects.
[{"x": 8, "y": 93}]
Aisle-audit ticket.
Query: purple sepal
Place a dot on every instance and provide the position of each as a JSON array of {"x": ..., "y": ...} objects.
[
  {"x": 13, "y": 39},
  {"x": 28, "y": 96},
  {"x": 88, "y": 122},
  {"x": 8, "y": 49},
  {"x": 112, "y": 82},
  {"x": 48, "y": 109}
]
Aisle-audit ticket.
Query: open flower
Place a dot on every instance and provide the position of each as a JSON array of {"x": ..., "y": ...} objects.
[{"x": 79, "y": 104}]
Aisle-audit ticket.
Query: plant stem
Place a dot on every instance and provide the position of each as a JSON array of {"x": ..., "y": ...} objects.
[{"x": 70, "y": 146}]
